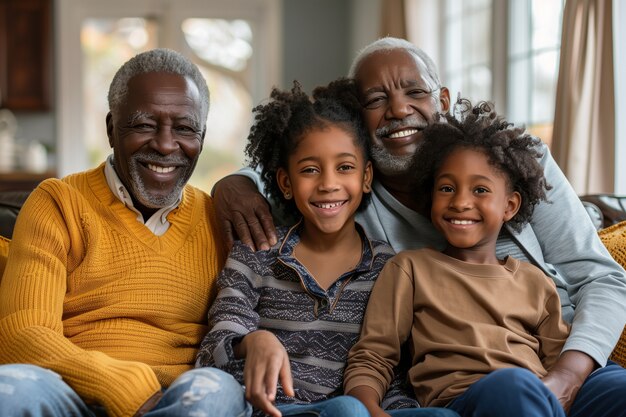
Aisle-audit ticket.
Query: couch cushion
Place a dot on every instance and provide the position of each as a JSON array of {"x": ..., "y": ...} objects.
[
  {"x": 10, "y": 204},
  {"x": 614, "y": 238}
]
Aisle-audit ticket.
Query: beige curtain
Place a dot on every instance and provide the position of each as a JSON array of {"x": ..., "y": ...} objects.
[
  {"x": 584, "y": 122},
  {"x": 393, "y": 22}
]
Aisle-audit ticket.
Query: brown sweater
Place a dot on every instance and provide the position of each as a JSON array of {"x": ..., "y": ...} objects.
[
  {"x": 463, "y": 321},
  {"x": 92, "y": 294}
]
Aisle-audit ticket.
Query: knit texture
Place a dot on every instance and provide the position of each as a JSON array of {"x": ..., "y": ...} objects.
[
  {"x": 90, "y": 293},
  {"x": 4, "y": 253},
  {"x": 614, "y": 238}
]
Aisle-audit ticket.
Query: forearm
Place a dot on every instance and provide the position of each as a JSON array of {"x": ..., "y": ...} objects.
[
  {"x": 369, "y": 397},
  {"x": 577, "y": 364}
]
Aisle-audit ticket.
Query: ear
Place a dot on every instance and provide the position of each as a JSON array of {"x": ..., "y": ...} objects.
[
  {"x": 513, "y": 203},
  {"x": 109, "y": 122},
  {"x": 368, "y": 176},
  {"x": 202, "y": 138},
  {"x": 283, "y": 182},
  {"x": 444, "y": 99}
]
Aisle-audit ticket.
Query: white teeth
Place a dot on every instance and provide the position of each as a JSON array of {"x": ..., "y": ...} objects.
[
  {"x": 328, "y": 205},
  {"x": 462, "y": 222},
  {"x": 403, "y": 133},
  {"x": 160, "y": 170}
]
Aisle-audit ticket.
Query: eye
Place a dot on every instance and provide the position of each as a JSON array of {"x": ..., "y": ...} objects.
[
  {"x": 186, "y": 131},
  {"x": 309, "y": 170},
  {"x": 481, "y": 190},
  {"x": 419, "y": 93},
  {"x": 445, "y": 189},
  {"x": 374, "y": 102},
  {"x": 345, "y": 167},
  {"x": 143, "y": 126}
]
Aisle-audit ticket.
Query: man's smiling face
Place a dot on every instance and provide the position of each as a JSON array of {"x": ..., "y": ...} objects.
[
  {"x": 399, "y": 99},
  {"x": 156, "y": 137}
]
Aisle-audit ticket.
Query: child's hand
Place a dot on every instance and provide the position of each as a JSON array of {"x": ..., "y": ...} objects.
[{"x": 266, "y": 362}]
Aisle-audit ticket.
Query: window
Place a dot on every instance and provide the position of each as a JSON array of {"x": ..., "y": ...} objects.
[
  {"x": 235, "y": 43},
  {"x": 525, "y": 49}
]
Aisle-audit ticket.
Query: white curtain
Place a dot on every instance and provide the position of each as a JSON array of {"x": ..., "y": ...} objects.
[{"x": 584, "y": 122}]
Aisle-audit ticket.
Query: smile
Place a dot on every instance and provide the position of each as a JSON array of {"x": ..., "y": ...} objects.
[
  {"x": 402, "y": 133},
  {"x": 160, "y": 169},
  {"x": 329, "y": 205},
  {"x": 463, "y": 222}
]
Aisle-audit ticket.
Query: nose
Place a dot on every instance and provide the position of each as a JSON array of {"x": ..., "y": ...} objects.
[
  {"x": 164, "y": 141},
  {"x": 328, "y": 181},
  {"x": 399, "y": 107},
  {"x": 461, "y": 201}
]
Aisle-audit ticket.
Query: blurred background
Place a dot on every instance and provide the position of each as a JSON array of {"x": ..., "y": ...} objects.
[{"x": 547, "y": 64}]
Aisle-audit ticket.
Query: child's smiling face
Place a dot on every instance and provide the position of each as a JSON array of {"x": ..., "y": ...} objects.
[
  {"x": 327, "y": 175},
  {"x": 470, "y": 202}
]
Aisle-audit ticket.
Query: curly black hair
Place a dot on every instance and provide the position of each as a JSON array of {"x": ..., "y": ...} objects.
[
  {"x": 283, "y": 121},
  {"x": 509, "y": 149}
]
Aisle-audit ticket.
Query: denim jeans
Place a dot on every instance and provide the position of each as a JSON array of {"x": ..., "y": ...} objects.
[
  {"x": 511, "y": 392},
  {"x": 422, "y": 412},
  {"x": 28, "y": 390},
  {"x": 342, "y": 406}
]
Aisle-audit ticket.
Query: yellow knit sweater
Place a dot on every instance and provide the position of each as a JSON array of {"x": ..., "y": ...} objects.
[{"x": 92, "y": 294}]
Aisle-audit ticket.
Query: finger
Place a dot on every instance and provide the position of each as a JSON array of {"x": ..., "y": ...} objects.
[
  {"x": 258, "y": 234},
  {"x": 285, "y": 377},
  {"x": 271, "y": 379},
  {"x": 243, "y": 230},
  {"x": 257, "y": 396},
  {"x": 228, "y": 234},
  {"x": 267, "y": 223}
]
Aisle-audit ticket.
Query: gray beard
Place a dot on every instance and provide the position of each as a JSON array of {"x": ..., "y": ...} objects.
[
  {"x": 390, "y": 165},
  {"x": 141, "y": 193}
]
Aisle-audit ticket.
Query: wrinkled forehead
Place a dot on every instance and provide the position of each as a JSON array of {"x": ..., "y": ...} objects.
[{"x": 396, "y": 66}]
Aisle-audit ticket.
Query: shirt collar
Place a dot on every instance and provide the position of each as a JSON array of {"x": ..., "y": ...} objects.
[
  {"x": 292, "y": 238},
  {"x": 119, "y": 190}
]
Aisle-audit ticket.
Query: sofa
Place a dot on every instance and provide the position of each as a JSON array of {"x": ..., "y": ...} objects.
[{"x": 607, "y": 211}]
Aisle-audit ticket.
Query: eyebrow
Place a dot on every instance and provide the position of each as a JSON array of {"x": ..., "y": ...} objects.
[
  {"x": 316, "y": 158},
  {"x": 133, "y": 118},
  {"x": 403, "y": 84},
  {"x": 474, "y": 177}
]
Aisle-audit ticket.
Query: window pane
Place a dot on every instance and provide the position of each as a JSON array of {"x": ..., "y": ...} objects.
[
  {"x": 546, "y": 31},
  {"x": 476, "y": 37},
  {"x": 519, "y": 28},
  {"x": 454, "y": 48},
  {"x": 544, "y": 87},
  {"x": 479, "y": 83},
  {"x": 518, "y": 88}
]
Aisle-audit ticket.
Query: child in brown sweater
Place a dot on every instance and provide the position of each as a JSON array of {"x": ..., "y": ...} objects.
[{"x": 482, "y": 331}]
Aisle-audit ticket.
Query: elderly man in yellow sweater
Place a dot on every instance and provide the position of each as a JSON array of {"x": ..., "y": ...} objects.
[{"x": 111, "y": 271}]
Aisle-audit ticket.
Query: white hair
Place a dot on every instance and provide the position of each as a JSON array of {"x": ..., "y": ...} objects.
[
  {"x": 158, "y": 60},
  {"x": 388, "y": 44}
]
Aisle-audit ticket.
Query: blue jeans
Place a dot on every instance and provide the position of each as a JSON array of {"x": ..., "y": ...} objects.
[
  {"x": 28, "y": 390},
  {"x": 422, "y": 412},
  {"x": 511, "y": 392},
  {"x": 342, "y": 406},
  {"x": 346, "y": 406},
  {"x": 602, "y": 394}
]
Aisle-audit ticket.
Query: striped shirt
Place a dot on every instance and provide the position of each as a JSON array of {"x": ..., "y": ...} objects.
[{"x": 272, "y": 290}]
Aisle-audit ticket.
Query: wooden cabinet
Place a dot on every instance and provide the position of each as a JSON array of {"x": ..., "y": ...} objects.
[{"x": 26, "y": 54}]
